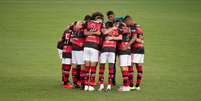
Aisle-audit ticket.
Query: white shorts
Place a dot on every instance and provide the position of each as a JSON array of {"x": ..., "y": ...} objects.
[
  {"x": 60, "y": 53},
  {"x": 137, "y": 58},
  {"x": 66, "y": 61},
  {"x": 125, "y": 60},
  {"x": 90, "y": 54},
  {"x": 107, "y": 57},
  {"x": 77, "y": 57}
]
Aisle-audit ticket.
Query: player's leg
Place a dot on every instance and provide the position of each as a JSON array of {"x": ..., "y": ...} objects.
[
  {"x": 131, "y": 76},
  {"x": 66, "y": 67},
  {"x": 74, "y": 69},
  {"x": 80, "y": 68},
  {"x": 82, "y": 75},
  {"x": 139, "y": 76},
  {"x": 101, "y": 76},
  {"x": 125, "y": 61},
  {"x": 94, "y": 60},
  {"x": 74, "y": 75},
  {"x": 76, "y": 66},
  {"x": 103, "y": 57},
  {"x": 111, "y": 61},
  {"x": 139, "y": 60},
  {"x": 86, "y": 58},
  {"x": 87, "y": 75},
  {"x": 131, "y": 73}
]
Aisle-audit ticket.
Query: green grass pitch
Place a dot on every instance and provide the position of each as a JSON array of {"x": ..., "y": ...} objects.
[{"x": 30, "y": 67}]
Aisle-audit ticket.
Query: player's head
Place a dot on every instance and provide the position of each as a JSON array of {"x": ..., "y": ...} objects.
[
  {"x": 110, "y": 15},
  {"x": 77, "y": 25},
  {"x": 128, "y": 20},
  {"x": 97, "y": 16},
  {"x": 87, "y": 17},
  {"x": 109, "y": 24}
]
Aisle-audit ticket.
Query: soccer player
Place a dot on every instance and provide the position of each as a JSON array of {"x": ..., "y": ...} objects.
[
  {"x": 87, "y": 18},
  {"x": 60, "y": 43},
  {"x": 91, "y": 49},
  {"x": 138, "y": 56},
  {"x": 137, "y": 45},
  {"x": 108, "y": 54},
  {"x": 124, "y": 53},
  {"x": 77, "y": 41},
  {"x": 60, "y": 46},
  {"x": 78, "y": 38},
  {"x": 111, "y": 19},
  {"x": 66, "y": 58}
]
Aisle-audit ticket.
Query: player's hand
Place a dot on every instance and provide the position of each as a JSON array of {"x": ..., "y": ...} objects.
[
  {"x": 81, "y": 45},
  {"x": 142, "y": 42},
  {"x": 97, "y": 33},
  {"x": 108, "y": 38},
  {"x": 72, "y": 40},
  {"x": 124, "y": 48}
]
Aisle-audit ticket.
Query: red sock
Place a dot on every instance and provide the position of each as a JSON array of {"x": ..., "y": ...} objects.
[
  {"x": 74, "y": 74},
  {"x": 139, "y": 75},
  {"x": 93, "y": 75},
  {"x": 111, "y": 74},
  {"x": 101, "y": 73},
  {"x": 82, "y": 74},
  {"x": 86, "y": 76},
  {"x": 125, "y": 78},
  {"x": 131, "y": 76},
  {"x": 65, "y": 72}
]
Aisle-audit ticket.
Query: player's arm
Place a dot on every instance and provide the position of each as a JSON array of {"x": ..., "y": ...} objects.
[
  {"x": 134, "y": 36},
  {"x": 97, "y": 33},
  {"x": 139, "y": 40},
  {"x": 108, "y": 31},
  {"x": 88, "y": 33},
  {"x": 72, "y": 40},
  {"x": 119, "y": 37},
  {"x": 115, "y": 38},
  {"x": 132, "y": 40}
]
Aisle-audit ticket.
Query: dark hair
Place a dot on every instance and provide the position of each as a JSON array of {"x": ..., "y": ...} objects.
[
  {"x": 109, "y": 24},
  {"x": 127, "y": 16},
  {"x": 87, "y": 17},
  {"x": 95, "y": 14},
  {"x": 110, "y": 13}
]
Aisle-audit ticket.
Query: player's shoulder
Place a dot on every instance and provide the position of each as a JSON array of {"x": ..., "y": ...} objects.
[{"x": 120, "y": 18}]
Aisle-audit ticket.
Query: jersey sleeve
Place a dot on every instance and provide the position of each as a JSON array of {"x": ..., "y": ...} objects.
[{"x": 139, "y": 29}]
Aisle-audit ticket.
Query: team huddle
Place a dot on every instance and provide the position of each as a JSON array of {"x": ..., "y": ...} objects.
[{"x": 89, "y": 42}]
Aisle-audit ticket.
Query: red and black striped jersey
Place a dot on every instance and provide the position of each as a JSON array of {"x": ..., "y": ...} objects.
[
  {"x": 78, "y": 39},
  {"x": 93, "y": 41},
  {"x": 137, "y": 30},
  {"x": 67, "y": 46},
  {"x": 110, "y": 45},
  {"x": 126, "y": 37}
]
